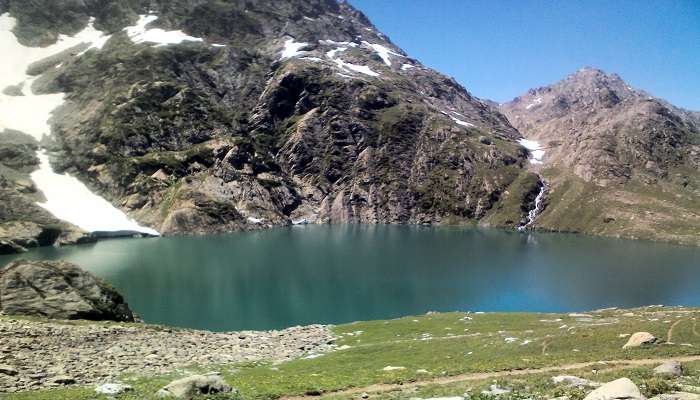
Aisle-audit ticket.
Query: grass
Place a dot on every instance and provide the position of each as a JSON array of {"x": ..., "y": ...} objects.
[
  {"x": 663, "y": 211},
  {"x": 442, "y": 345}
]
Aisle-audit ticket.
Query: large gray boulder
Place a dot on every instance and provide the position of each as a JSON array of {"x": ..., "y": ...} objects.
[
  {"x": 640, "y": 339},
  {"x": 61, "y": 290},
  {"x": 669, "y": 368},
  {"x": 620, "y": 389},
  {"x": 196, "y": 385}
]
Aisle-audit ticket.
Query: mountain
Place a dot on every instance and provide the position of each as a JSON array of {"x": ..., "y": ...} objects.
[
  {"x": 618, "y": 161},
  {"x": 200, "y": 116}
]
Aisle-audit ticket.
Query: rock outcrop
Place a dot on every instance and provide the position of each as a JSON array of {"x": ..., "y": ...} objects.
[{"x": 59, "y": 290}]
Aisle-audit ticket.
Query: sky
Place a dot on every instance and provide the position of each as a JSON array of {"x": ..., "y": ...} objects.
[{"x": 498, "y": 49}]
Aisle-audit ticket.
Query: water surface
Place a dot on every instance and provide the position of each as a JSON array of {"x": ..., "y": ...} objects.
[{"x": 334, "y": 274}]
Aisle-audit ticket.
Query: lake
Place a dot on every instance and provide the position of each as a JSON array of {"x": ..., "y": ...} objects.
[{"x": 341, "y": 273}]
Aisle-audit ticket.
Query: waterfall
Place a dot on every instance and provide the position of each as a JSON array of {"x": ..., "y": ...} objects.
[{"x": 537, "y": 209}]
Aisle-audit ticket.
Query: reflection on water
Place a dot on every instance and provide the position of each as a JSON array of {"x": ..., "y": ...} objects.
[{"x": 333, "y": 274}]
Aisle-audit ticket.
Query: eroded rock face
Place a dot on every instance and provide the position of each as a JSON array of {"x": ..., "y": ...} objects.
[{"x": 58, "y": 290}]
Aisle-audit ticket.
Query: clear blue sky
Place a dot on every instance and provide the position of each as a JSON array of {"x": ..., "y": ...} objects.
[{"x": 500, "y": 48}]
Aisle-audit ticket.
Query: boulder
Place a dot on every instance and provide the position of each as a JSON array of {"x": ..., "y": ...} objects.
[
  {"x": 669, "y": 368},
  {"x": 620, "y": 389},
  {"x": 61, "y": 290},
  {"x": 195, "y": 385},
  {"x": 640, "y": 339}
]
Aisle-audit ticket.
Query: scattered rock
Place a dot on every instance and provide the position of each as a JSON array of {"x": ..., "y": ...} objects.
[
  {"x": 495, "y": 390},
  {"x": 57, "y": 289},
  {"x": 64, "y": 380},
  {"x": 8, "y": 370},
  {"x": 390, "y": 368},
  {"x": 640, "y": 339},
  {"x": 669, "y": 368},
  {"x": 622, "y": 389},
  {"x": 195, "y": 385},
  {"x": 94, "y": 353},
  {"x": 677, "y": 396},
  {"x": 574, "y": 381},
  {"x": 113, "y": 388}
]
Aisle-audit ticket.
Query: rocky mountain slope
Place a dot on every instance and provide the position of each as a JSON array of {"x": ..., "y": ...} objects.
[
  {"x": 620, "y": 162},
  {"x": 266, "y": 113}
]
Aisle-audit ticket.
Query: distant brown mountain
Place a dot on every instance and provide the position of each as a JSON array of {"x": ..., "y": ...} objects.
[{"x": 619, "y": 161}]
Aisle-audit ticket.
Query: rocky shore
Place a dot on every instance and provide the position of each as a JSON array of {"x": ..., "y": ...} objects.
[{"x": 38, "y": 354}]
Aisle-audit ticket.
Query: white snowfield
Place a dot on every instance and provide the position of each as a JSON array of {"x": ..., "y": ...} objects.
[
  {"x": 292, "y": 49},
  {"x": 383, "y": 52},
  {"x": 331, "y": 54},
  {"x": 66, "y": 197},
  {"x": 159, "y": 37},
  {"x": 363, "y": 69},
  {"x": 535, "y": 150}
]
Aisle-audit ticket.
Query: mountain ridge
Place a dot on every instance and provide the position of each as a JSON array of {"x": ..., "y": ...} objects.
[{"x": 306, "y": 113}]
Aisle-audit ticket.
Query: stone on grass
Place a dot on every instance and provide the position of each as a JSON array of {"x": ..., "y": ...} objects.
[
  {"x": 113, "y": 388},
  {"x": 495, "y": 390},
  {"x": 195, "y": 385},
  {"x": 389, "y": 368},
  {"x": 640, "y": 339},
  {"x": 669, "y": 368},
  {"x": 574, "y": 381},
  {"x": 64, "y": 380},
  {"x": 620, "y": 389}
]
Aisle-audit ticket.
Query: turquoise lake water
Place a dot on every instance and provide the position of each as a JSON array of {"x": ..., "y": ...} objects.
[{"x": 342, "y": 273}]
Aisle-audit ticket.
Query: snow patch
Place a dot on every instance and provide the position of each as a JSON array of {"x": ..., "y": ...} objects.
[
  {"x": 535, "y": 150},
  {"x": 30, "y": 113},
  {"x": 256, "y": 220},
  {"x": 140, "y": 34},
  {"x": 537, "y": 101},
  {"x": 383, "y": 52},
  {"x": 363, "y": 69},
  {"x": 292, "y": 48},
  {"x": 406, "y": 67},
  {"x": 463, "y": 123},
  {"x": 70, "y": 200}
]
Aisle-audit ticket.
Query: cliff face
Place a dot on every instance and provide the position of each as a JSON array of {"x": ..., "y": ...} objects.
[
  {"x": 268, "y": 112},
  {"x": 621, "y": 161}
]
